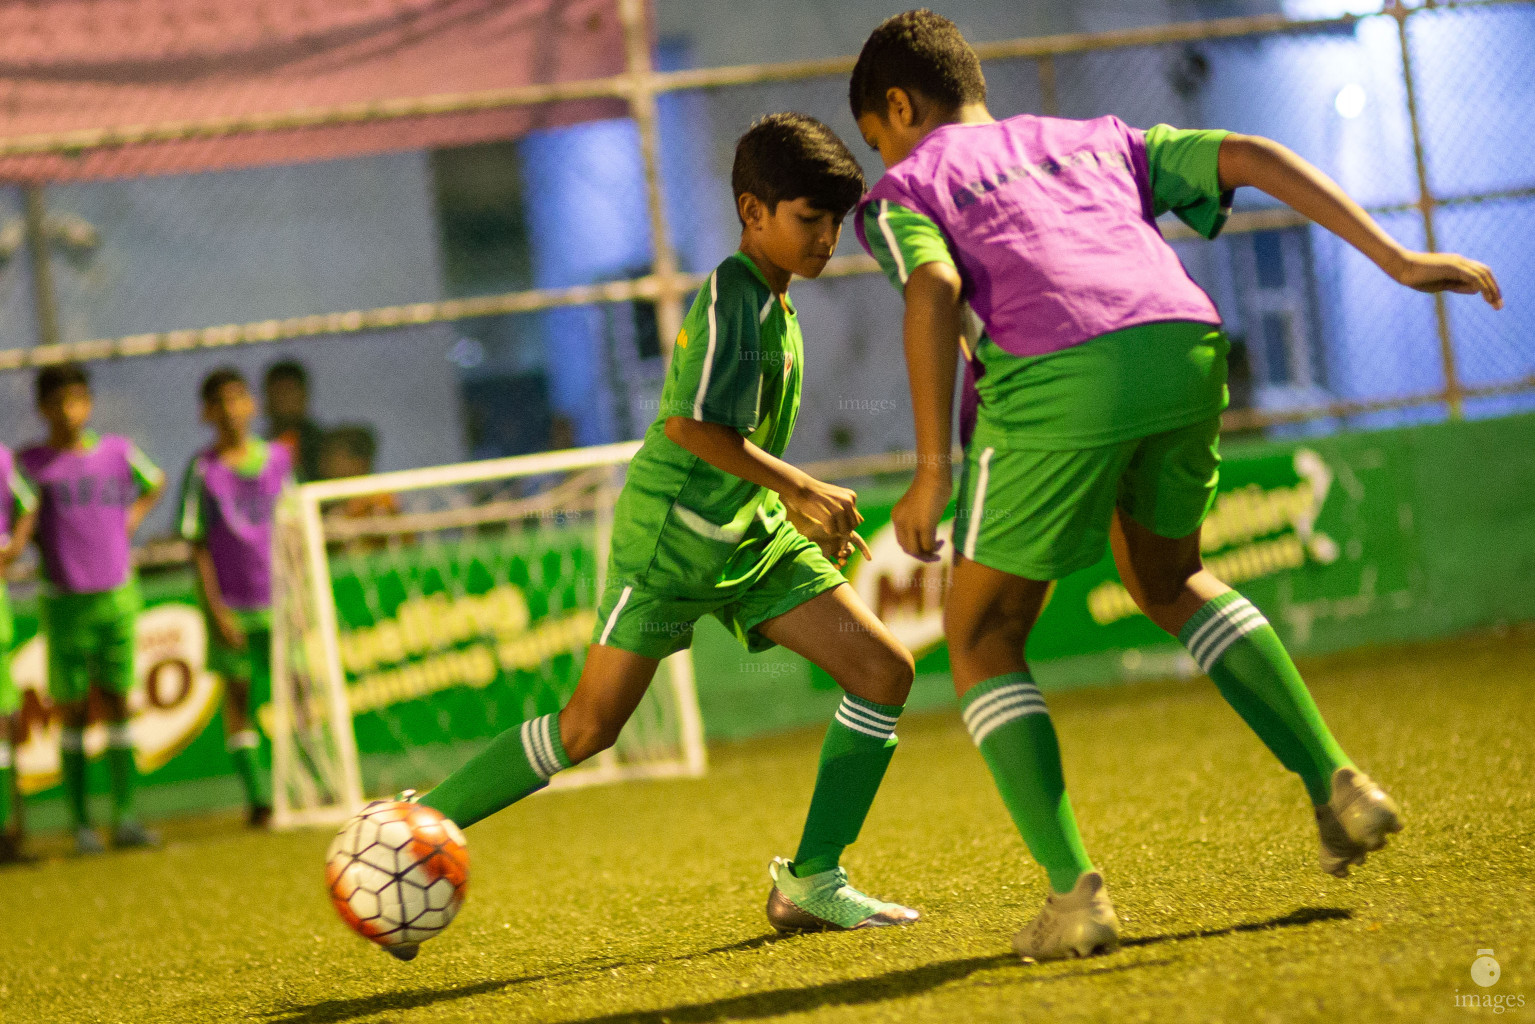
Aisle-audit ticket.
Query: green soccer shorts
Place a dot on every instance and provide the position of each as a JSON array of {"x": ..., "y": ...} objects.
[
  {"x": 10, "y": 697},
  {"x": 653, "y": 619},
  {"x": 1043, "y": 515},
  {"x": 251, "y": 664},
  {"x": 90, "y": 641}
]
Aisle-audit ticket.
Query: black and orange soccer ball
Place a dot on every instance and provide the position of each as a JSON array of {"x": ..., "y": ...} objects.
[{"x": 398, "y": 873}]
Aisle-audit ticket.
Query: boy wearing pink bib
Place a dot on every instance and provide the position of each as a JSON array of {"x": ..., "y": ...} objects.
[{"x": 1095, "y": 374}]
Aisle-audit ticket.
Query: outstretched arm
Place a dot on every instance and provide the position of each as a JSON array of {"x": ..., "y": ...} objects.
[
  {"x": 1272, "y": 168},
  {"x": 931, "y": 333}
]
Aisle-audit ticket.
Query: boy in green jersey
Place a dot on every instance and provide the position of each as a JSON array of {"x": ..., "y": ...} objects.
[
  {"x": 18, "y": 515},
  {"x": 1095, "y": 376},
  {"x": 712, "y": 521}
]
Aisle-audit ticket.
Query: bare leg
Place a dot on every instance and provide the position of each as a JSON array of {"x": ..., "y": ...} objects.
[
  {"x": 522, "y": 759},
  {"x": 1165, "y": 577},
  {"x": 987, "y": 622},
  {"x": 837, "y": 632},
  {"x": 612, "y": 683}
]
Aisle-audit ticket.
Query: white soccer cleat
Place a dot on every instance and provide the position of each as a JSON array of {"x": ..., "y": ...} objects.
[
  {"x": 1081, "y": 922},
  {"x": 1355, "y": 821}
]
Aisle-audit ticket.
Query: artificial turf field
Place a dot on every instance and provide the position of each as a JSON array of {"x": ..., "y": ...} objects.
[{"x": 643, "y": 902}]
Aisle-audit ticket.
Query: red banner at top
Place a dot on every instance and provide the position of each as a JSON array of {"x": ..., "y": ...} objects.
[{"x": 84, "y": 65}]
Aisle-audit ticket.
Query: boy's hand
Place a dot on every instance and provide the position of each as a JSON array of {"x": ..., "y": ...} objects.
[
  {"x": 917, "y": 514},
  {"x": 836, "y": 549},
  {"x": 229, "y": 629},
  {"x": 1447, "y": 272},
  {"x": 831, "y": 512}
]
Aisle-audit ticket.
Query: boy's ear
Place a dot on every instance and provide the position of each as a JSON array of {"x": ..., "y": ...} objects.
[
  {"x": 900, "y": 107},
  {"x": 751, "y": 209}
]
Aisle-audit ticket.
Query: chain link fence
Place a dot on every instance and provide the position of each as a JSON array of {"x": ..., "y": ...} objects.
[{"x": 1418, "y": 111}]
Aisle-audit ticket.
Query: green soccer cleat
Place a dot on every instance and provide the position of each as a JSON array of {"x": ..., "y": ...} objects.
[
  {"x": 1355, "y": 821},
  {"x": 824, "y": 902},
  {"x": 1081, "y": 922},
  {"x": 87, "y": 842}
]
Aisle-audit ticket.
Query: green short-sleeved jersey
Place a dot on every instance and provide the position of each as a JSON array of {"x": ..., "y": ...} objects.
[
  {"x": 681, "y": 525},
  {"x": 1121, "y": 385}
]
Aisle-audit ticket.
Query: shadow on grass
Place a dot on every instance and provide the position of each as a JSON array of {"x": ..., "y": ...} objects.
[
  {"x": 1294, "y": 919},
  {"x": 756, "y": 1005},
  {"x": 333, "y": 1011}
]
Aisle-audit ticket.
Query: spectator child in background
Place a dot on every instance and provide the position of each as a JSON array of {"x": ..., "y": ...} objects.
[
  {"x": 348, "y": 450},
  {"x": 93, "y": 492},
  {"x": 18, "y": 514},
  {"x": 286, "y": 401},
  {"x": 228, "y": 498}
]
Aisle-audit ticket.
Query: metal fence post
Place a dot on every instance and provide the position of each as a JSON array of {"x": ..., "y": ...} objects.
[
  {"x": 642, "y": 107},
  {"x": 44, "y": 299},
  {"x": 1426, "y": 205},
  {"x": 1049, "y": 97}
]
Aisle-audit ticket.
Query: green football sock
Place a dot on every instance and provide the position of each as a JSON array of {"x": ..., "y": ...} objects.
[
  {"x": 518, "y": 762},
  {"x": 242, "y": 751},
  {"x": 5, "y": 780},
  {"x": 121, "y": 770},
  {"x": 858, "y": 746},
  {"x": 1239, "y": 650},
  {"x": 1009, "y": 722},
  {"x": 72, "y": 767}
]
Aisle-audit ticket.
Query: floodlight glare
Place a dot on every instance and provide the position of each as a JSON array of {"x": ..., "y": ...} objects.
[{"x": 1350, "y": 101}]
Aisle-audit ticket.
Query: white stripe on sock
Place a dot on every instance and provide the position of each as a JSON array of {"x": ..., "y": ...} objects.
[
  {"x": 867, "y": 714},
  {"x": 119, "y": 736},
  {"x": 983, "y": 724},
  {"x": 623, "y": 599},
  {"x": 1216, "y": 623},
  {"x": 545, "y": 725},
  {"x": 1002, "y": 693},
  {"x": 1218, "y": 646},
  {"x": 867, "y": 730},
  {"x": 5, "y": 754},
  {"x": 72, "y": 740},
  {"x": 245, "y": 739},
  {"x": 1001, "y": 718},
  {"x": 1229, "y": 622},
  {"x": 530, "y": 749}
]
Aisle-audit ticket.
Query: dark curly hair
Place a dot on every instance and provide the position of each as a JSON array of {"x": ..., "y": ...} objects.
[
  {"x": 784, "y": 157},
  {"x": 217, "y": 379},
  {"x": 921, "y": 52},
  {"x": 51, "y": 379}
]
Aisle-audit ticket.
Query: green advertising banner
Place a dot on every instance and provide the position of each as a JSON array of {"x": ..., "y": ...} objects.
[
  {"x": 446, "y": 644},
  {"x": 1344, "y": 541}
]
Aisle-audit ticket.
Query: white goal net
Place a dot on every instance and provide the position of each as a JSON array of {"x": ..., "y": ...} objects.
[{"x": 419, "y": 614}]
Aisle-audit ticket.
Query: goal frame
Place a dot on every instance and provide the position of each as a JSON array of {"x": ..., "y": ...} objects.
[{"x": 301, "y": 508}]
